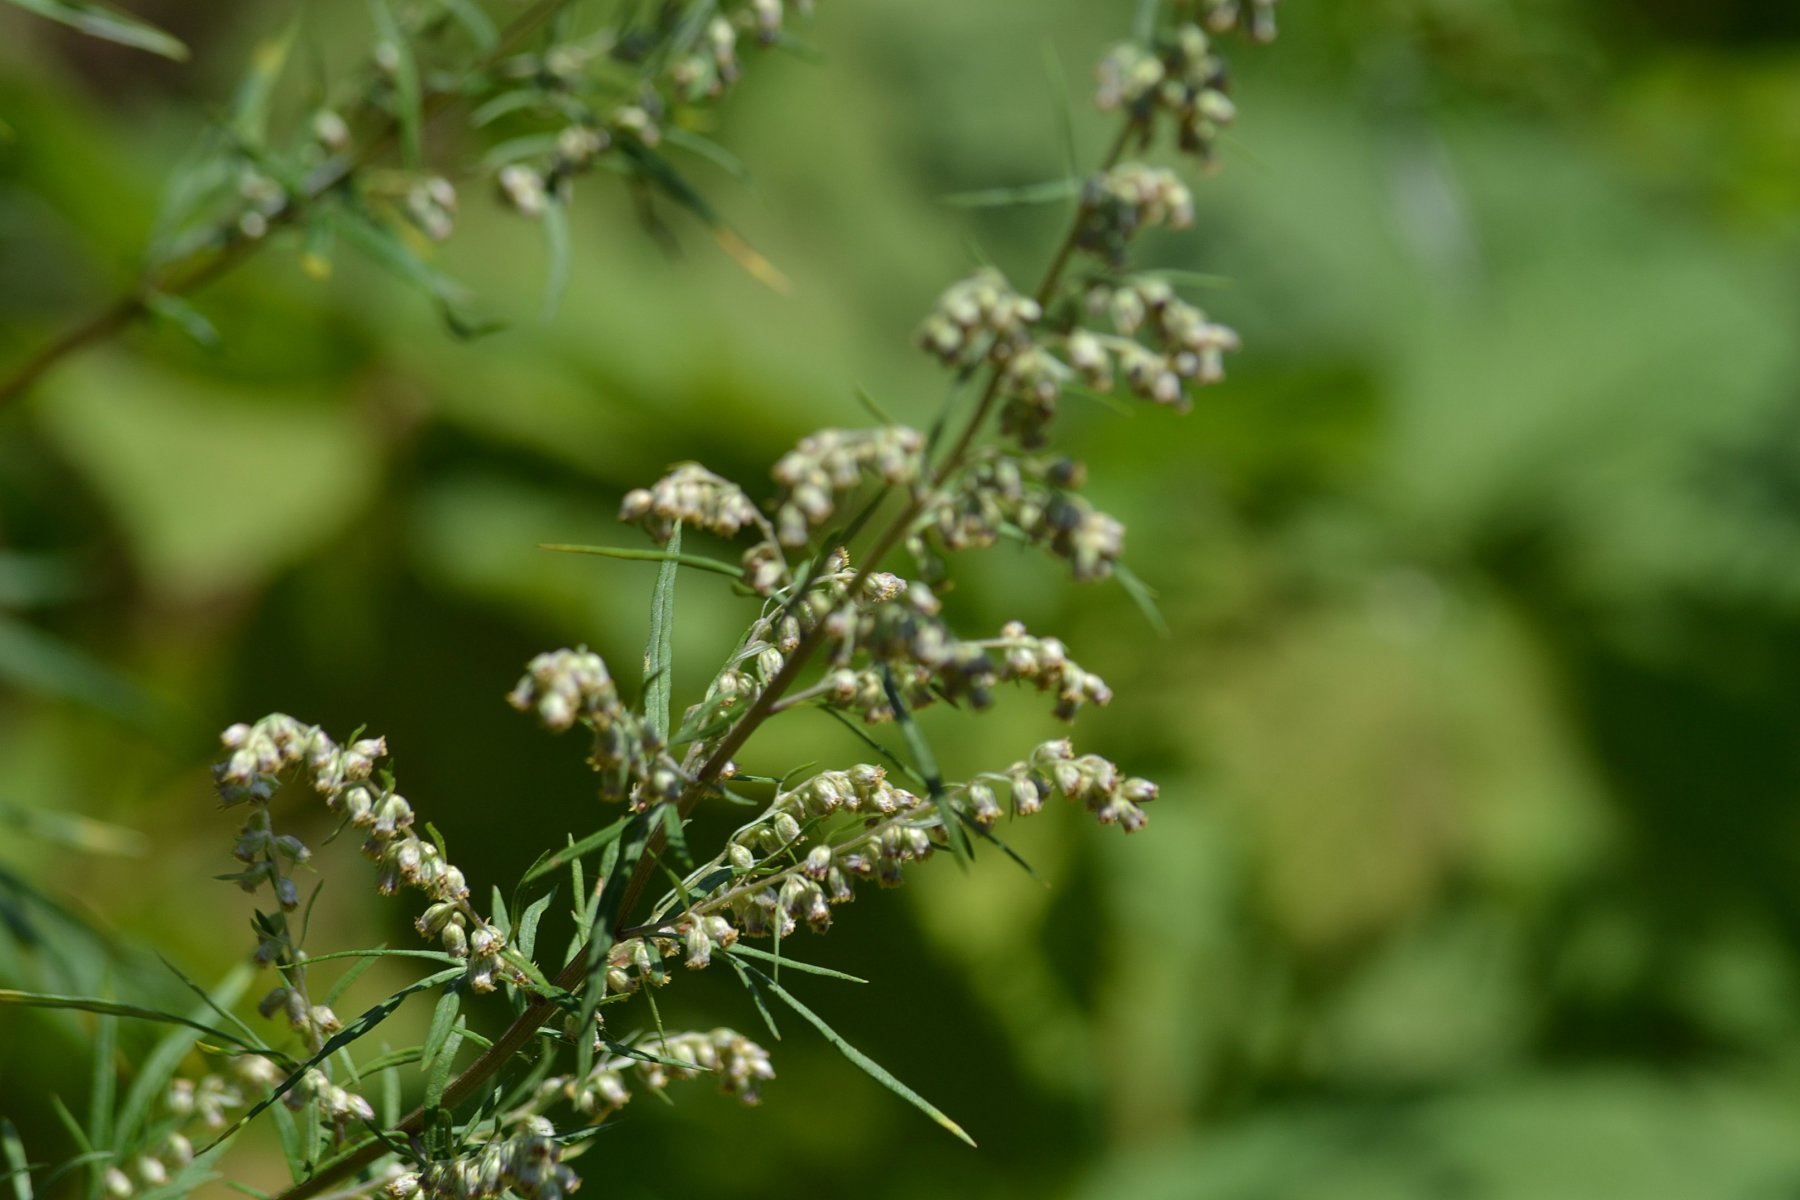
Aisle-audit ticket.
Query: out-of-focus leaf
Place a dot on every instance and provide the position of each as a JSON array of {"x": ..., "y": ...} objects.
[
  {"x": 73, "y": 830},
  {"x": 110, "y": 1008},
  {"x": 12, "y": 1153},
  {"x": 108, "y": 25},
  {"x": 404, "y": 71},
  {"x": 250, "y": 107},
  {"x": 555, "y": 220},
  {"x": 165, "y": 306},
  {"x": 35, "y": 661},
  {"x": 154, "y": 1073}
]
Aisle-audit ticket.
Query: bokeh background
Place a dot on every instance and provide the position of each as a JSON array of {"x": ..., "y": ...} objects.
[{"x": 1477, "y": 868}]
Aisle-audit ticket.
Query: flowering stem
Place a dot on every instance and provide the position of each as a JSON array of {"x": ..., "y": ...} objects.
[
  {"x": 225, "y": 251},
  {"x": 767, "y": 703}
]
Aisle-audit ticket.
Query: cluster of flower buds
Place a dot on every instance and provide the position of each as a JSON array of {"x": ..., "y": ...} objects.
[
  {"x": 980, "y": 319},
  {"x": 1180, "y": 76},
  {"x": 1222, "y": 16},
  {"x": 689, "y": 495},
  {"x": 833, "y": 461},
  {"x": 636, "y": 961},
  {"x": 1034, "y": 497},
  {"x": 1045, "y": 663},
  {"x": 528, "y": 1164},
  {"x": 1181, "y": 347},
  {"x": 208, "y": 1100},
  {"x": 263, "y": 198},
  {"x": 905, "y": 631},
  {"x": 431, "y": 207},
  {"x": 1094, "y": 781},
  {"x": 333, "y": 1102},
  {"x": 631, "y": 756},
  {"x": 261, "y": 753},
  {"x": 740, "y": 1064},
  {"x": 313, "y": 1022},
  {"x": 1119, "y": 204},
  {"x": 712, "y": 67}
]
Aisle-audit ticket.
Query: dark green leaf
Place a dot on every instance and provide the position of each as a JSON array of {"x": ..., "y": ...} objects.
[
  {"x": 794, "y": 964},
  {"x": 348, "y": 1034},
  {"x": 442, "y": 1018},
  {"x": 161, "y": 1064},
  {"x": 874, "y": 1069},
  {"x": 107, "y": 25},
  {"x": 12, "y": 1150},
  {"x": 405, "y": 72},
  {"x": 954, "y": 833},
  {"x": 575, "y": 850}
]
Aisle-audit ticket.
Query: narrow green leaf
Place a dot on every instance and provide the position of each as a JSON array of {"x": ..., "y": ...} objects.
[
  {"x": 555, "y": 220},
  {"x": 13, "y": 1150},
  {"x": 674, "y": 835},
  {"x": 954, "y": 833},
  {"x": 906, "y": 768},
  {"x": 172, "y": 309},
  {"x": 1143, "y": 22},
  {"x": 1050, "y": 191},
  {"x": 1142, "y": 595},
  {"x": 385, "y": 952},
  {"x": 250, "y": 107},
  {"x": 698, "y": 561},
  {"x": 108, "y": 25},
  {"x": 480, "y": 28},
  {"x": 708, "y": 149},
  {"x": 500, "y": 917},
  {"x": 1065, "y": 111},
  {"x": 659, "y": 656},
  {"x": 794, "y": 964},
  {"x": 408, "y": 113},
  {"x": 604, "y": 926},
  {"x": 74, "y": 831},
  {"x": 597, "y": 840},
  {"x": 102, "y": 1088},
  {"x": 874, "y": 1069},
  {"x": 230, "y": 1018},
  {"x": 756, "y": 996},
  {"x": 443, "y": 1017},
  {"x": 348, "y": 1034},
  {"x": 293, "y": 1144},
  {"x": 160, "y": 1065},
  {"x": 437, "y": 1072},
  {"x": 35, "y": 661},
  {"x": 528, "y": 923}
]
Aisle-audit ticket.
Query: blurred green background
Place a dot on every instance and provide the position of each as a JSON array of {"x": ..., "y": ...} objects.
[{"x": 1477, "y": 868}]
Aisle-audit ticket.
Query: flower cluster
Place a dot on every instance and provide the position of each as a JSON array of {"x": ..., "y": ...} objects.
[
  {"x": 1181, "y": 77},
  {"x": 1118, "y": 204},
  {"x": 740, "y": 1065},
  {"x": 577, "y": 82},
  {"x": 261, "y": 753},
  {"x": 528, "y": 1164},
  {"x": 980, "y": 319},
  {"x": 1181, "y": 347},
  {"x": 787, "y": 872},
  {"x": 208, "y": 1100},
  {"x": 564, "y": 686},
  {"x": 689, "y": 495},
  {"x": 832, "y": 462},
  {"x": 1032, "y": 499}
]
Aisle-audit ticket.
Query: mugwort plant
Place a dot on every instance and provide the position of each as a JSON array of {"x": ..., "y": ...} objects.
[{"x": 832, "y": 625}]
